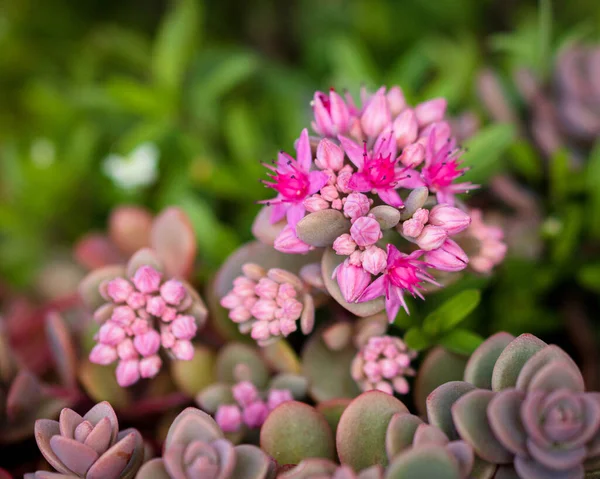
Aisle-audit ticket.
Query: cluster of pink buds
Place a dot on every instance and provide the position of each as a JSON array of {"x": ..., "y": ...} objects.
[
  {"x": 383, "y": 363},
  {"x": 145, "y": 313},
  {"x": 383, "y": 158},
  {"x": 250, "y": 409},
  {"x": 485, "y": 244},
  {"x": 268, "y": 304}
]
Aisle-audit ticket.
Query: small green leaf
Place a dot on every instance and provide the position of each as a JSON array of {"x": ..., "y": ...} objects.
[
  {"x": 526, "y": 160},
  {"x": 593, "y": 180},
  {"x": 565, "y": 243},
  {"x": 559, "y": 176},
  {"x": 452, "y": 312},
  {"x": 461, "y": 341},
  {"x": 175, "y": 43},
  {"x": 485, "y": 151},
  {"x": 416, "y": 339},
  {"x": 589, "y": 277}
]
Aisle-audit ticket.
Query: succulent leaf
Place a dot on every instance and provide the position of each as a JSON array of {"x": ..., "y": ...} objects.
[
  {"x": 400, "y": 433},
  {"x": 480, "y": 366},
  {"x": 321, "y": 228},
  {"x": 543, "y": 357},
  {"x": 439, "y": 404},
  {"x": 427, "y": 461},
  {"x": 512, "y": 359}
]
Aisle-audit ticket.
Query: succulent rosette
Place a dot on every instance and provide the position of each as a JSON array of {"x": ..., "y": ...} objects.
[
  {"x": 523, "y": 402},
  {"x": 325, "y": 469},
  {"x": 140, "y": 309},
  {"x": 371, "y": 206},
  {"x": 196, "y": 448},
  {"x": 90, "y": 446}
]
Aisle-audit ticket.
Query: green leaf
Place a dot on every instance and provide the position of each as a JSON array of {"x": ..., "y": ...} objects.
[
  {"x": 461, "y": 341},
  {"x": 175, "y": 43},
  {"x": 593, "y": 180},
  {"x": 485, "y": 151},
  {"x": 559, "y": 176},
  {"x": 565, "y": 243},
  {"x": 545, "y": 36},
  {"x": 589, "y": 277},
  {"x": 452, "y": 312},
  {"x": 526, "y": 161},
  {"x": 416, "y": 339},
  {"x": 134, "y": 97}
]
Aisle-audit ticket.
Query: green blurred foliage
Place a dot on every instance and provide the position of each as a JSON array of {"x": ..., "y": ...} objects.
[{"x": 220, "y": 86}]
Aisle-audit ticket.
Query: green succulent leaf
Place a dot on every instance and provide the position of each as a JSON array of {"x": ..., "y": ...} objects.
[
  {"x": 416, "y": 339},
  {"x": 452, "y": 312},
  {"x": 461, "y": 341}
]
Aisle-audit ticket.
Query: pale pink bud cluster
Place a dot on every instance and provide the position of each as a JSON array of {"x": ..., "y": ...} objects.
[
  {"x": 268, "y": 304},
  {"x": 383, "y": 363},
  {"x": 486, "y": 246},
  {"x": 147, "y": 314},
  {"x": 250, "y": 409}
]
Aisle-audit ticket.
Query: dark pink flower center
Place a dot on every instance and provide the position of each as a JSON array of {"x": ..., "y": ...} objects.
[
  {"x": 292, "y": 185},
  {"x": 325, "y": 101},
  {"x": 403, "y": 274},
  {"x": 380, "y": 171},
  {"x": 442, "y": 174}
]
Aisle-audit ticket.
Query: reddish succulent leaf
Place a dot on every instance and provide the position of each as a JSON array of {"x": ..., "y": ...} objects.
[
  {"x": 23, "y": 395},
  {"x": 63, "y": 350},
  {"x": 539, "y": 360},
  {"x": 129, "y": 228},
  {"x": 504, "y": 415},
  {"x": 144, "y": 257},
  {"x": 173, "y": 238},
  {"x": 89, "y": 288},
  {"x": 95, "y": 251}
]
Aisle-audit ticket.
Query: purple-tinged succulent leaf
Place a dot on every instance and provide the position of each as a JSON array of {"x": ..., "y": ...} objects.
[
  {"x": 103, "y": 313},
  {"x": 373, "y": 472},
  {"x": 89, "y": 288},
  {"x": 368, "y": 327},
  {"x": 424, "y": 462},
  {"x": 293, "y": 431},
  {"x": 23, "y": 395},
  {"x": 504, "y": 416},
  {"x": 75, "y": 456},
  {"x": 251, "y": 463},
  {"x": 281, "y": 357},
  {"x": 333, "y": 410},
  {"x": 480, "y": 366},
  {"x": 307, "y": 319},
  {"x": 557, "y": 375},
  {"x": 263, "y": 230},
  {"x": 63, "y": 351},
  {"x": 240, "y": 362},
  {"x": 46, "y": 475},
  {"x": 512, "y": 359},
  {"x": 153, "y": 469},
  {"x": 192, "y": 425},
  {"x": 427, "y": 434},
  {"x": 121, "y": 460},
  {"x": 328, "y": 371},
  {"x": 439, "y": 404},
  {"x": 68, "y": 421},
  {"x": 99, "y": 438},
  {"x": 195, "y": 375},
  {"x": 311, "y": 467},
  {"x": 529, "y": 469},
  {"x": 99, "y": 382},
  {"x": 100, "y": 411},
  {"x": 45, "y": 429},
  {"x": 328, "y": 264},
  {"x": 338, "y": 335},
  {"x": 321, "y": 228},
  {"x": 295, "y": 383},
  {"x": 464, "y": 455},
  {"x": 211, "y": 397},
  {"x": 438, "y": 367},
  {"x": 549, "y": 354},
  {"x": 400, "y": 433},
  {"x": 144, "y": 257},
  {"x": 470, "y": 418},
  {"x": 94, "y": 251},
  {"x": 365, "y": 422},
  {"x": 173, "y": 238},
  {"x": 129, "y": 228}
]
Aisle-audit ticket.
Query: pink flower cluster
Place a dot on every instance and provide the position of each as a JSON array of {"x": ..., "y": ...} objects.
[
  {"x": 486, "y": 242},
  {"x": 268, "y": 304},
  {"x": 369, "y": 156},
  {"x": 146, "y": 314},
  {"x": 383, "y": 363},
  {"x": 250, "y": 409}
]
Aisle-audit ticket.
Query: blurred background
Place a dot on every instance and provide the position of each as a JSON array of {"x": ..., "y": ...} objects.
[{"x": 156, "y": 103}]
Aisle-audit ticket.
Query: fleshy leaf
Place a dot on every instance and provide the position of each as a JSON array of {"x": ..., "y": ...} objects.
[
  {"x": 539, "y": 360},
  {"x": 480, "y": 366},
  {"x": 144, "y": 257},
  {"x": 294, "y": 431},
  {"x": 281, "y": 357},
  {"x": 424, "y": 462},
  {"x": 263, "y": 230},
  {"x": 427, "y": 434},
  {"x": 211, "y": 397},
  {"x": 557, "y": 375},
  {"x": 172, "y": 237},
  {"x": 114, "y": 461},
  {"x": 153, "y": 469},
  {"x": 250, "y": 463},
  {"x": 240, "y": 362},
  {"x": 439, "y": 404},
  {"x": 387, "y": 216},
  {"x": 365, "y": 421},
  {"x": 75, "y": 456},
  {"x": 100, "y": 383},
  {"x": 129, "y": 228},
  {"x": 504, "y": 416},
  {"x": 415, "y": 200},
  {"x": 63, "y": 352},
  {"x": 193, "y": 376},
  {"x": 89, "y": 288},
  {"x": 297, "y": 384},
  {"x": 470, "y": 418},
  {"x": 321, "y": 228},
  {"x": 512, "y": 359},
  {"x": 400, "y": 433},
  {"x": 192, "y": 424},
  {"x": 332, "y": 410}
]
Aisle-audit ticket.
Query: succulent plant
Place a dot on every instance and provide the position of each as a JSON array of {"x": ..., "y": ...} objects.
[
  {"x": 196, "y": 448},
  {"x": 90, "y": 446},
  {"x": 139, "y": 311},
  {"x": 325, "y": 469},
  {"x": 523, "y": 402}
]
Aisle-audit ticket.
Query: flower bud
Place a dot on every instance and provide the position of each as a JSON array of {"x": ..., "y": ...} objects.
[
  {"x": 240, "y": 314},
  {"x": 412, "y": 228},
  {"x": 431, "y": 237},
  {"x": 103, "y": 354},
  {"x": 400, "y": 385},
  {"x": 126, "y": 350},
  {"x": 255, "y": 414},
  {"x": 343, "y": 178},
  {"x": 173, "y": 292},
  {"x": 110, "y": 333},
  {"x": 264, "y": 309},
  {"x": 147, "y": 343},
  {"x": 448, "y": 257},
  {"x": 139, "y": 326},
  {"x": 405, "y": 128},
  {"x": 329, "y": 156},
  {"x": 288, "y": 242},
  {"x": 287, "y": 326},
  {"x": 128, "y": 372},
  {"x": 156, "y": 306},
  {"x": 329, "y": 193},
  {"x": 184, "y": 327},
  {"x": 374, "y": 260},
  {"x": 245, "y": 393},
  {"x": 396, "y": 100},
  {"x": 286, "y": 291},
  {"x": 243, "y": 286},
  {"x": 150, "y": 366},
  {"x": 167, "y": 339},
  {"x": 315, "y": 203},
  {"x": 260, "y": 330},
  {"x": 136, "y": 300},
  {"x": 119, "y": 290},
  {"x": 452, "y": 219},
  {"x": 443, "y": 133},
  {"x": 376, "y": 115},
  {"x": 229, "y": 418},
  {"x": 183, "y": 349},
  {"x": 356, "y": 205},
  {"x": 123, "y": 315},
  {"x": 277, "y": 397},
  {"x": 169, "y": 314},
  {"x": 421, "y": 215},
  {"x": 412, "y": 155},
  {"x": 266, "y": 288},
  {"x": 352, "y": 280},
  {"x": 332, "y": 116},
  {"x": 146, "y": 279},
  {"x": 366, "y": 231},
  {"x": 344, "y": 245},
  {"x": 430, "y": 111}
]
